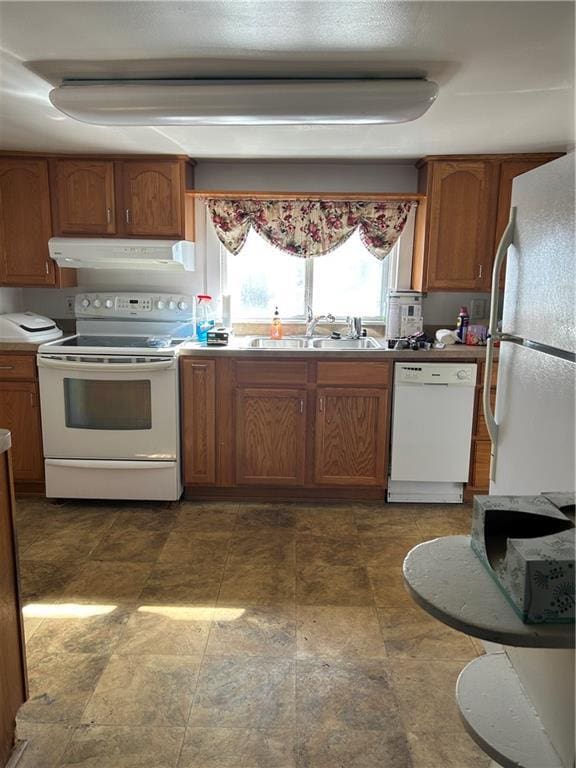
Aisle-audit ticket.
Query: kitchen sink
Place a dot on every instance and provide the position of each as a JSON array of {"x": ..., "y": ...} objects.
[
  {"x": 301, "y": 342},
  {"x": 265, "y": 343},
  {"x": 365, "y": 343}
]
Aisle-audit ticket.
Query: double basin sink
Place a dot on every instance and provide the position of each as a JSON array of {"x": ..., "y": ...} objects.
[{"x": 301, "y": 342}]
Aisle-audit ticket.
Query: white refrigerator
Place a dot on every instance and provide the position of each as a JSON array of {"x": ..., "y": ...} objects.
[{"x": 533, "y": 428}]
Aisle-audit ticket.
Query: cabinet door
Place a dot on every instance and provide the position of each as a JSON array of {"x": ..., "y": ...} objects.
[
  {"x": 351, "y": 436},
  {"x": 83, "y": 197},
  {"x": 461, "y": 225},
  {"x": 20, "y": 413},
  {"x": 199, "y": 421},
  {"x": 270, "y": 436},
  {"x": 509, "y": 169},
  {"x": 152, "y": 197},
  {"x": 25, "y": 226},
  {"x": 12, "y": 659}
]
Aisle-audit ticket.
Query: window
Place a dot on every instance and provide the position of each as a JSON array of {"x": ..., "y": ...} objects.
[{"x": 347, "y": 281}]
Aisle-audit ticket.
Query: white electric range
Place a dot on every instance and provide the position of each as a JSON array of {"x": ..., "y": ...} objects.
[{"x": 109, "y": 398}]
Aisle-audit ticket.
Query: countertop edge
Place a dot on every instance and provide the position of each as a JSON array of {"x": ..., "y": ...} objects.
[{"x": 5, "y": 440}]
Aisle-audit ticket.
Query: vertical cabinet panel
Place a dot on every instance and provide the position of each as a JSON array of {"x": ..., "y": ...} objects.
[
  {"x": 351, "y": 436},
  {"x": 199, "y": 421},
  {"x": 270, "y": 436},
  {"x": 151, "y": 198},
  {"x": 480, "y": 464},
  {"x": 13, "y": 691},
  {"x": 25, "y": 225},
  {"x": 84, "y": 201},
  {"x": 20, "y": 413},
  {"x": 461, "y": 224}
]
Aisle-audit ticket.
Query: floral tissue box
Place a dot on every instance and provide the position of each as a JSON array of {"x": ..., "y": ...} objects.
[{"x": 527, "y": 545}]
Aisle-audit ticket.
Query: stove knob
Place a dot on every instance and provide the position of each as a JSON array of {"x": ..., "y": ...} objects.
[
  {"x": 97, "y": 303},
  {"x": 172, "y": 305},
  {"x": 462, "y": 375},
  {"x": 85, "y": 303},
  {"x": 108, "y": 303},
  {"x": 182, "y": 305},
  {"x": 160, "y": 304}
]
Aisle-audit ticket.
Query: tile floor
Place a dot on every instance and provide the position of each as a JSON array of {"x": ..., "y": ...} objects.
[{"x": 235, "y": 636}]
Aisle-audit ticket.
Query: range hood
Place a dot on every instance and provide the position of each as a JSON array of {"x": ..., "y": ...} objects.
[{"x": 102, "y": 253}]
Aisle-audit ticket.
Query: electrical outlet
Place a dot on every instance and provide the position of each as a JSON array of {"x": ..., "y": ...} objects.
[
  {"x": 70, "y": 304},
  {"x": 477, "y": 309}
]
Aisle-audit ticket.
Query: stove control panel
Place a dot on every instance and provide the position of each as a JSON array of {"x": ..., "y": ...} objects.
[{"x": 146, "y": 306}]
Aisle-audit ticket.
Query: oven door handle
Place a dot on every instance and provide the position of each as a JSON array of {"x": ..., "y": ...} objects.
[
  {"x": 67, "y": 365},
  {"x": 103, "y": 464}
]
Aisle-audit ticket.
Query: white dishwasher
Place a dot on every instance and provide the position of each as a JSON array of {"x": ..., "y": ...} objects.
[{"x": 433, "y": 408}]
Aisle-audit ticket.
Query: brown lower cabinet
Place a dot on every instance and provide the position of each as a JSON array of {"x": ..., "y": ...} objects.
[
  {"x": 479, "y": 480},
  {"x": 310, "y": 428},
  {"x": 13, "y": 687},
  {"x": 270, "y": 436},
  {"x": 20, "y": 413},
  {"x": 351, "y": 433}
]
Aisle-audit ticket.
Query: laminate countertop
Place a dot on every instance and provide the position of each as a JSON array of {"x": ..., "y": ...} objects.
[
  {"x": 18, "y": 346},
  {"x": 239, "y": 347},
  {"x": 5, "y": 440}
]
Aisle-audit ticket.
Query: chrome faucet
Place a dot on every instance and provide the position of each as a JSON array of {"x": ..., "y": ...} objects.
[
  {"x": 312, "y": 322},
  {"x": 354, "y": 327}
]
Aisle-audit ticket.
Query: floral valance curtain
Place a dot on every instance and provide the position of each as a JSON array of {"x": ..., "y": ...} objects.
[{"x": 308, "y": 228}]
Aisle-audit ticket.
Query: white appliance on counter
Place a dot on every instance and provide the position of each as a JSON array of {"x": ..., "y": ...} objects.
[
  {"x": 109, "y": 398},
  {"x": 404, "y": 314},
  {"x": 115, "y": 253},
  {"x": 533, "y": 431},
  {"x": 432, "y": 412},
  {"x": 28, "y": 327}
]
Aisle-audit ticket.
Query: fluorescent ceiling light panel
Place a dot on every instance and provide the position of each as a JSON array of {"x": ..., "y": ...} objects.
[{"x": 245, "y": 102}]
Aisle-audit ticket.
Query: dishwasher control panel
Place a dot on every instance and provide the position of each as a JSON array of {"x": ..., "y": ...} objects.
[{"x": 459, "y": 374}]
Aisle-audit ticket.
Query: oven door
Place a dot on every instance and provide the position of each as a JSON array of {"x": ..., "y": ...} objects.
[{"x": 109, "y": 410}]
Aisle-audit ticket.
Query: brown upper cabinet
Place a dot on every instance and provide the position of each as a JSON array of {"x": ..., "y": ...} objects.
[
  {"x": 468, "y": 201},
  {"x": 83, "y": 199},
  {"x": 151, "y": 195},
  {"x": 128, "y": 197},
  {"x": 25, "y": 224}
]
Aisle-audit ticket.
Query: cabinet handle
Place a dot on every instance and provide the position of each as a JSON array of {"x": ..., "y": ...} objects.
[
  {"x": 32, "y": 404},
  {"x": 127, "y": 215},
  {"x": 109, "y": 215},
  {"x": 321, "y": 404},
  {"x": 198, "y": 365},
  {"x": 302, "y": 406},
  {"x": 47, "y": 266},
  {"x": 7, "y": 367},
  {"x": 480, "y": 271}
]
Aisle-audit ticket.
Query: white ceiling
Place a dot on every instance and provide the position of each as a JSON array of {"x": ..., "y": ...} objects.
[{"x": 505, "y": 71}]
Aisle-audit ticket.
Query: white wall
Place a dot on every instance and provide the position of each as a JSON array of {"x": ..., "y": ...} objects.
[
  {"x": 306, "y": 176},
  {"x": 442, "y": 308},
  {"x": 11, "y": 300}
]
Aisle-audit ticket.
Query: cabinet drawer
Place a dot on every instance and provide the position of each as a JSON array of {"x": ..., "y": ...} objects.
[
  {"x": 17, "y": 367},
  {"x": 363, "y": 374},
  {"x": 270, "y": 372}
]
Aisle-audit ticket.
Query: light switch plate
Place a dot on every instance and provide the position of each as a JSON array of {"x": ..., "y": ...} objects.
[{"x": 478, "y": 309}]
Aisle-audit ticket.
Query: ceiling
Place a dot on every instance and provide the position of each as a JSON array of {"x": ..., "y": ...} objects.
[{"x": 505, "y": 71}]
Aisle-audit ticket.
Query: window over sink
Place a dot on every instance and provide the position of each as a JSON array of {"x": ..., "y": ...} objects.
[{"x": 346, "y": 281}]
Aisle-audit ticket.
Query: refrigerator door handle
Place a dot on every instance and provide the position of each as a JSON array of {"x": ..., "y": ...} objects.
[{"x": 505, "y": 242}]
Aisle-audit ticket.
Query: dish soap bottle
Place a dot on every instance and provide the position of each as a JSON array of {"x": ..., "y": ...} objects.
[
  {"x": 276, "y": 327},
  {"x": 204, "y": 316},
  {"x": 462, "y": 324}
]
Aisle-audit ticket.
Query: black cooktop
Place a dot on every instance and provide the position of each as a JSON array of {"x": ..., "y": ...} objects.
[{"x": 129, "y": 342}]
